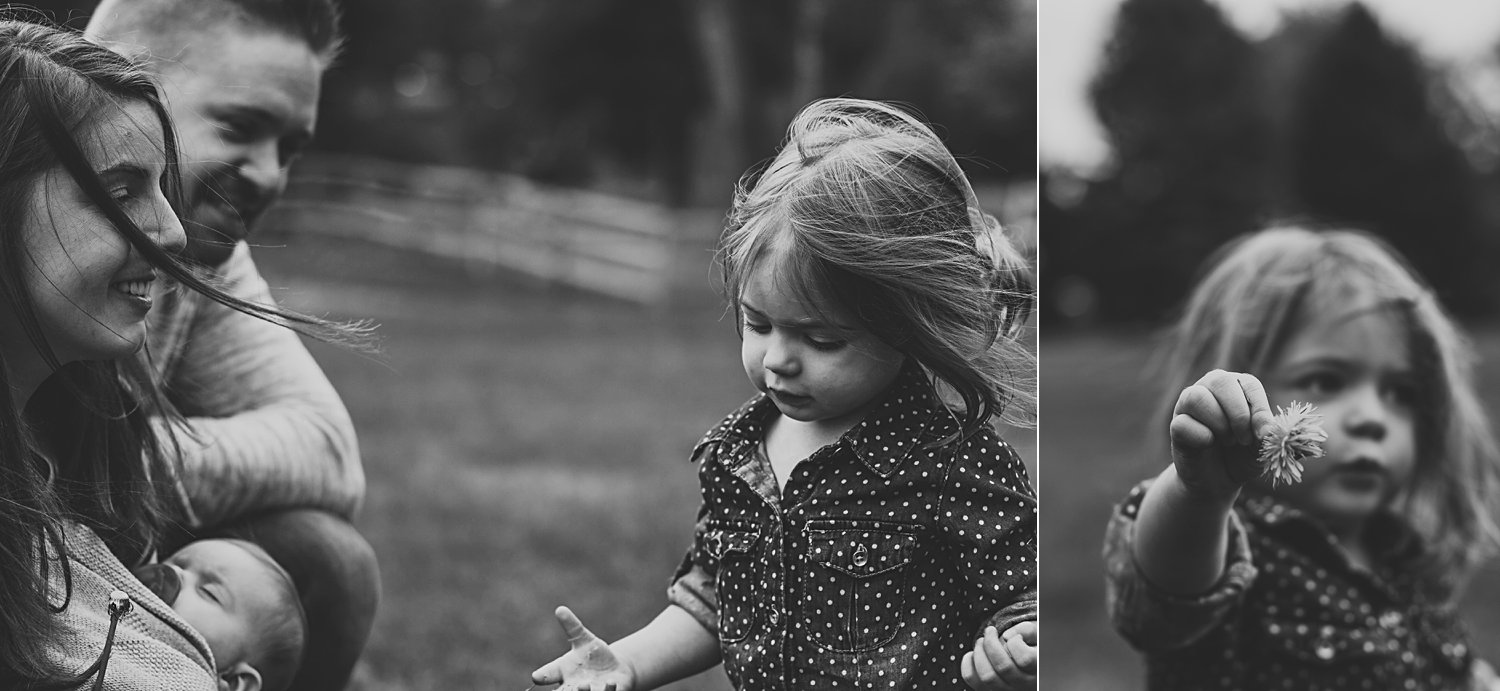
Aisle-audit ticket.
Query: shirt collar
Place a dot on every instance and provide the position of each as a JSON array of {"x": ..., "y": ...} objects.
[{"x": 907, "y": 415}]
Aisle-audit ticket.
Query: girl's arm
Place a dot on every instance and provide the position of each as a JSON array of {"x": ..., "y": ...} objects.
[
  {"x": 673, "y": 646},
  {"x": 1182, "y": 531}
]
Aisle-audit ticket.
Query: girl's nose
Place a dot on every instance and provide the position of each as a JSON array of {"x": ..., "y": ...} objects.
[
  {"x": 780, "y": 358},
  {"x": 1366, "y": 417}
]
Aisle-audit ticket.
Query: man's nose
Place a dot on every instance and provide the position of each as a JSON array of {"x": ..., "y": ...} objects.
[{"x": 262, "y": 168}]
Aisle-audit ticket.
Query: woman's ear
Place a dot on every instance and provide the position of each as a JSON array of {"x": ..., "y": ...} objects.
[{"x": 240, "y": 677}]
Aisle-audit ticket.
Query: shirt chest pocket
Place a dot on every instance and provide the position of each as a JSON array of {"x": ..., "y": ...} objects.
[
  {"x": 854, "y": 594},
  {"x": 735, "y": 547}
]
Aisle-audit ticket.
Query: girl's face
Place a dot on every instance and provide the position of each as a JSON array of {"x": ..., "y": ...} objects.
[
  {"x": 814, "y": 364},
  {"x": 90, "y": 289},
  {"x": 1356, "y": 368}
]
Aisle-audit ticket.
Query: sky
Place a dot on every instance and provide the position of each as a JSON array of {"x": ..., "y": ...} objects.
[{"x": 1071, "y": 34}]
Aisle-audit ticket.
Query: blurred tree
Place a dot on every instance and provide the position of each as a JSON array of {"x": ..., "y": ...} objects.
[
  {"x": 670, "y": 99},
  {"x": 1369, "y": 152},
  {"x": 1177, "y": 96}
]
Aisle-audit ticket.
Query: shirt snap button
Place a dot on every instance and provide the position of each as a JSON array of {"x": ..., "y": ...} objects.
[
  {"x": 775, "y": 617},
  {"x": 861, "y": 556}
]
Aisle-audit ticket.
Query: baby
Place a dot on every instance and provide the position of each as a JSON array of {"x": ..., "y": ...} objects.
[{"x": 244, "y": 605}]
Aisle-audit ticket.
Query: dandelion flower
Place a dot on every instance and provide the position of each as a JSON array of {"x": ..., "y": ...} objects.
[{"x": 1293, "y": 435}]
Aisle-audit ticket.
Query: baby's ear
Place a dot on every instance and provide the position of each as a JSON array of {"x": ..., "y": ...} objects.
[{"x": 240, "y": 677}]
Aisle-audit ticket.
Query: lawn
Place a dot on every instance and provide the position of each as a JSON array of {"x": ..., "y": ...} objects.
[
  {"x": 1096, "y": 397},
  {"x": 525, "y": 447}
]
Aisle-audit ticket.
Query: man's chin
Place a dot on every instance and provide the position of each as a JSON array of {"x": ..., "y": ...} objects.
[{"x": 212, "y": 247}]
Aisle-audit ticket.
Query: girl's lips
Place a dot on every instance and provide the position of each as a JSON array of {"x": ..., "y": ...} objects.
[{"x": 789, "y": 398}]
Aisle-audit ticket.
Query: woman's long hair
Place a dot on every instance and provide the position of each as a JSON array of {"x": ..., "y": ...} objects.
[
  {"x": 84, "y": 448},
  {"x": 868, "y": 209},
  {"x": 1243, "y": 311}
]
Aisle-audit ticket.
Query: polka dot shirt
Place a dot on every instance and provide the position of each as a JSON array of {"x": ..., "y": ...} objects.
[
  {"x": 1291, "y": 611},
  {"x": 880, "y": 562}
]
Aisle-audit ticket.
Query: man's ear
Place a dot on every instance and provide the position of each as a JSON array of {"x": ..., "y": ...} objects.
[{"x": 240, "y": 677}]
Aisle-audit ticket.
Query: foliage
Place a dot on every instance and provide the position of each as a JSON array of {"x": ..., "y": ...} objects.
[
  {"x": 1177, "y": 97},
  {"x": 1370, "y": 152}
]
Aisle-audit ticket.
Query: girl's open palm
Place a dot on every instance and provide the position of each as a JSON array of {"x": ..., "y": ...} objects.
[
  {"x": 589, "y": 664},
  {"x": 1214, "y": 431}
]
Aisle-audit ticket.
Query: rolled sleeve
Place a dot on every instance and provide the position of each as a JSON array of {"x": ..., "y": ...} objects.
[
  {"x": 693, "y": 590},
  {"x": 1152, "y": 619}
]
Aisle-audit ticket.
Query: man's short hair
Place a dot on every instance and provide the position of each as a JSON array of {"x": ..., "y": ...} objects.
[{"x": 315, "y": 22}]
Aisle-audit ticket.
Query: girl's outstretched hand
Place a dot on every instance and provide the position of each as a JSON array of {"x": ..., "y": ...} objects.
[
  {"x": 589, "y": 664},
  {"x": 1003, "y": 662},
  {"x": 1215, "y": 432}
]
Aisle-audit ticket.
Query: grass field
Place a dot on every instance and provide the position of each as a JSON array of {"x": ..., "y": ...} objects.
[
  {"x": 1096, "y": 397},
  {"x": 525, "y": 447}
]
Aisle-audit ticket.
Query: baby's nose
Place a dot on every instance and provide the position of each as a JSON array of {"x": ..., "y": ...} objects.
[{"x": 161, "y": 579}]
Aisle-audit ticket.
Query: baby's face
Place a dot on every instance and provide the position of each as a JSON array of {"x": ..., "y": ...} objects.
[{"x": 225, "y": 591}]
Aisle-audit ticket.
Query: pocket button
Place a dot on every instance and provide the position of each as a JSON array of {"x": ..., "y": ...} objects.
[{"x": 861, "y": 555}]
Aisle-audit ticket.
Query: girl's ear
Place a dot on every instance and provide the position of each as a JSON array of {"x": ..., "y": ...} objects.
[{"x": 240, "y": 677}]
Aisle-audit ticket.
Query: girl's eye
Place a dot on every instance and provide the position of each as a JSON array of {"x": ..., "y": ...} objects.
[
  {"x": 757, "y": 328},
  {"x": 825, "y": 345},
  {"x": 1403, "y": 393},
  {"x": 1320, "y": 382},
  {"x": 208, "y": 593}
]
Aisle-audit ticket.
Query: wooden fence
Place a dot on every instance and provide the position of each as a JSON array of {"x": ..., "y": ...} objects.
[{"x": 627, "y": 248}]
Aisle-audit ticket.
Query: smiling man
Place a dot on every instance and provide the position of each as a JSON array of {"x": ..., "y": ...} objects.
[{"x": 270, "y": 454}]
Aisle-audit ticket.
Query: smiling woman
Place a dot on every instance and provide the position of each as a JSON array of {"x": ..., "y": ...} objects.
[{"x": 88, "y": 188}]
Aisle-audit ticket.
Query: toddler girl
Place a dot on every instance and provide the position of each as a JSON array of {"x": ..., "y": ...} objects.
[
  {"x": 861, "y": 521},
  {"x": 1346, "y": 579}
]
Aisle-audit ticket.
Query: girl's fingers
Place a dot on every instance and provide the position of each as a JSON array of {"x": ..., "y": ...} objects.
[
  {"x": 1188, "y": 434},
  {"x": 1229, "y": 395},
  {"x": 985, "y": 671},
  {"x": 1027, "y": 630},
  {"x": 1022, "y": 654},
  {"x": 1201, "y": 403},
  {"x": 966, "y": 670},
  {"x": 578, "y": 635},
  {"x": 1007, "y": 668},
  {"x": 550, "y": 673},
  {"x": 1260, "y": 405}
]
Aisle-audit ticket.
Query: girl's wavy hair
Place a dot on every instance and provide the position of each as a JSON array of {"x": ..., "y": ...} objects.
[
  {"x": 870, "y": 212},
  {"x": 1243, "y": 311},
  {"x": 84, "y": 448}
]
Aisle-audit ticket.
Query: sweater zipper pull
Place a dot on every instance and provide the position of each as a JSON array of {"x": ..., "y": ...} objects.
[{"x": 119, "y": 605}]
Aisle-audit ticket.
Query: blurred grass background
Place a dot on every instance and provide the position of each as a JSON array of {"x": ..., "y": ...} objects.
[
  {"x": 526, "y": 446},
  {"x": 1098, "y": 400}
]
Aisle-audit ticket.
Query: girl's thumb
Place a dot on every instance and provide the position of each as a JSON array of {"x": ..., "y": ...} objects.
[{"x": 578, "y": 635}]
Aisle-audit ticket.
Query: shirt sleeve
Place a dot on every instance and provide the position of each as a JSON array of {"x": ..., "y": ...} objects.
[
  {"x": 692, "y": 586},
  {"x": 1152, "y": 619},
  {"x": 989, "y": 516},
  {"x": 265, "y": 428}
]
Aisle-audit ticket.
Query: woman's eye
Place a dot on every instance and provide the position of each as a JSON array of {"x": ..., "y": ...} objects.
[{"x": 120, "y": 194}]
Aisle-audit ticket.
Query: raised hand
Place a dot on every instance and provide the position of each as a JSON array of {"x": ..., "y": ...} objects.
[
  {"x": 1214, "y": 432},
  {"x": 589, "y": 665},
  {"x": 1003, "y": 662}
]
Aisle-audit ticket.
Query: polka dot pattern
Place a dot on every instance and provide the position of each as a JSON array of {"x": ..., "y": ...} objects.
[
  {"x": 880, "y": 561},
  {"x": 1292, "y": 611}
]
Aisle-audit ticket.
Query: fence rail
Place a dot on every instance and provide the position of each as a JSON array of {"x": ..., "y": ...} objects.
[{"x": 627, "y": 248}]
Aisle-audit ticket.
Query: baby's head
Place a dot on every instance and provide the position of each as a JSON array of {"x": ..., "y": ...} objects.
[
  {"x": 245, "y": 606},
  {"x": 1338, "y": 319},
  {"x": 867, "y": 220}
]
